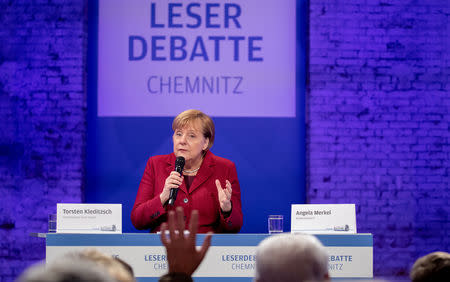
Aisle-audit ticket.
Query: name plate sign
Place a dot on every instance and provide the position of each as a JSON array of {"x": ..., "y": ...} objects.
[
  {"x": 89, "y": 218},
  {"x": 324, "y": 219}
]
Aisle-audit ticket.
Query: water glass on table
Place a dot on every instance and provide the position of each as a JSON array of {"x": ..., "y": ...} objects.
[
  {"x": 51, "y": 223},
  {"x": 275, "y": 223}
]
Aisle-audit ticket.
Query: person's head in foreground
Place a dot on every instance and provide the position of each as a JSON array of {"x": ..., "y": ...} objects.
[
  {"x": 434, "y": 267},
  {"x": 64, "y": 270},
  {"x": 291, "y": 257},
  {"x": 116, "y": 268},
  {"x": 87, "y": 265}
]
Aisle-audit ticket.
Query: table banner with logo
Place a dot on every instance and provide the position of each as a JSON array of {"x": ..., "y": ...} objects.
[{"x": 230, "y": 257}]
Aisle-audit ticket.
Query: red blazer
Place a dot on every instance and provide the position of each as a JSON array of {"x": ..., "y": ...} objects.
[{"x": 149, "y": 213}]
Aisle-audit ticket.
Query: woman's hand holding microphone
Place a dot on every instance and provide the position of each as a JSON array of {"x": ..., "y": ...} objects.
[{"x": 174, "y": 180}]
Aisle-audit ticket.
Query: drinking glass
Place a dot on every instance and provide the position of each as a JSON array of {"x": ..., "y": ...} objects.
[{"x": 275, "y": 223}]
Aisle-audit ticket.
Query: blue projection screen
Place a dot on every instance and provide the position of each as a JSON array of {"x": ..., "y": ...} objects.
[{"x": 241, "y": 62}]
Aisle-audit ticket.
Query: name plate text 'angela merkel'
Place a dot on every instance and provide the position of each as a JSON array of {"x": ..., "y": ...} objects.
[{"x": 324, "y": 219}]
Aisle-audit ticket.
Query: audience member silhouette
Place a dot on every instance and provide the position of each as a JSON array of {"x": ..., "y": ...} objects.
[
  {"x": 65, "y": 269},
  {"x": 87, "y": 265},
  {"x": 291, "y": 257},
  {"x": 116, "y": 268},
  {"x": 434, "y": 267}
]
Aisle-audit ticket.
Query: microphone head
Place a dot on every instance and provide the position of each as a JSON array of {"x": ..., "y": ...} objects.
[
  {"x": 179, "y": 164},
  {"x": 180, "y": 161}
]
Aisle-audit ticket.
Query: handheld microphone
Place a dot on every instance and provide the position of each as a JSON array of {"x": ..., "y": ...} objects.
[{"x": 179, "y": 165}]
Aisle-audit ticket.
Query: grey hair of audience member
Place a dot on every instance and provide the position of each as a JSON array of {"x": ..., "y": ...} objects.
[
  {"x": 116, "y": 268},
  {"x": 434, "y": 267},
  {"x": 291, "y": 257},
  {"x": 65, "y": 270}
]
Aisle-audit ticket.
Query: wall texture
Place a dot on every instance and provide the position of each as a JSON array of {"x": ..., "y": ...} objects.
[
  {"x": 42, "y": 121},
  {"x": 378, "y": 121}
]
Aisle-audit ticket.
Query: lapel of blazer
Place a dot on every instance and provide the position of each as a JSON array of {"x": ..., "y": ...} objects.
[
  {"x": 205, "y": 172},
  {"x": 170, "y": 166}
]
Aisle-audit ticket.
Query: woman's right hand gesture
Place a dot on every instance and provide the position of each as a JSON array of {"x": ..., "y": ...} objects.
[{"x": 174, "y": 180}]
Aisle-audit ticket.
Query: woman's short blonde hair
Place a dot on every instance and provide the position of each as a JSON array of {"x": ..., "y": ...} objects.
[{"x": 190, "y": 117}]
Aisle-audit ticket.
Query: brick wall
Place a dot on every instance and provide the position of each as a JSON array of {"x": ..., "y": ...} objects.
[
  {"x": 42, "y": 117},
  {"x": 378, "y": 121}
]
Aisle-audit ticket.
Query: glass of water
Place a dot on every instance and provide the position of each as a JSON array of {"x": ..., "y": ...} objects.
[
  {"x": 275, "y": 223},
  {"x": 51, "y": 223}
]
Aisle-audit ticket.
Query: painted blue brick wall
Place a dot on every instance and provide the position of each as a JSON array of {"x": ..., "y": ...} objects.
[
  {"x": 378, "y": 121},
  {"x": 377, "y": 111},
  {"x": 42, "y": 121}
]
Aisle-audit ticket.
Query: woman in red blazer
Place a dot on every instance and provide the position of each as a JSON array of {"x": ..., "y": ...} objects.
[{"x": 208, "y": 183}]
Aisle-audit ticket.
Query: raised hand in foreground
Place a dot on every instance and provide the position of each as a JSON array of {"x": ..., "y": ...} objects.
[{"x": 182, "y": 254}]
